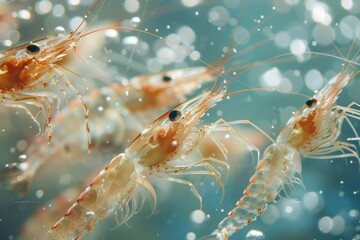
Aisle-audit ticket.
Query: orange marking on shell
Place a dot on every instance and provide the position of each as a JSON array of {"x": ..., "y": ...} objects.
[
  {"x": 238, "y": 203},
  {"x": 231, "y": 213},
  {"x": 81, "y": 197},
  {"x": 68, "y": 212},
  {"x": 245, "y": 192},
  {"x": 252, "y": 179},
  {"x": 306, "y": 127},
  {"x": 260, "y": 165},
  {"x": 56, "y": 225},
  {"x": 248, "y": 221},
  {"x": 237, "y": 229},
  {"x": 259, "y": 210}
]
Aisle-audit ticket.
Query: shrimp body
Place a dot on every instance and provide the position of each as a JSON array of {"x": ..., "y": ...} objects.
[
  {"x": 311, "y": 132},
  {"x": 27, "y": 70},
  {"x": 113, "y": 189},
  {"x": 164, "y": 89},
  {"x": 275, "y": 170}
]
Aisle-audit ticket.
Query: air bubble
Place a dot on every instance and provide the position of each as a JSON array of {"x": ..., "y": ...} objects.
[
  {"x": 255, "y": 235},
  {"x": 197, "y": 216},
  {"x": 59, "y": 31}
]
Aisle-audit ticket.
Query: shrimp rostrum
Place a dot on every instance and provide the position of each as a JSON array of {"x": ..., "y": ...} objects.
[
  {"x": 312, "y": 132},
  {"x": 28, "y": 70}
]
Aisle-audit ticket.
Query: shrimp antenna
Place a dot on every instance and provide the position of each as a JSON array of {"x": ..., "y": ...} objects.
[
  {"x": 227, "y": 50},
  {"x": 267, "y": 90},
  {"x": 133, "y": 48},
  {"x": 86, "y": 17}
]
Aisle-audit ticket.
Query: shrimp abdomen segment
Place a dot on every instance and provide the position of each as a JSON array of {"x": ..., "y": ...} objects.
[{"x": 110, "y": 190}]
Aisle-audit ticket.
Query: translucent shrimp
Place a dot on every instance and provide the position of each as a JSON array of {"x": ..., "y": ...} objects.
[
  {"x": 115, "y": 111},
  {"x": 167, "y": 148},
  {"x": 27, "y": 70},
  {"x": 311, "y": 132}
]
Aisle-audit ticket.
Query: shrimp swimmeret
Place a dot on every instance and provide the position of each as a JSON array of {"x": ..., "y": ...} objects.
[
  {"x": 311, "y": 132},
  {"x": 27, "y": 70},
  {"x": 114, "y": 111}
]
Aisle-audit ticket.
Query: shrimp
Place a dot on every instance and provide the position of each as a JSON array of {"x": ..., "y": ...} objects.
[
  {"x": 114, "y": 110},
  {"x": 165, "y": 149},
  {"x": 26, "y": 69},
  {"x": 311, "y": 132}
]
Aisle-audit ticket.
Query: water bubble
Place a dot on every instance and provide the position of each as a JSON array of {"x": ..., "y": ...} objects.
[
  {"x": 90, "y": 214},
  {"x": 347, "y": 4},
  {"x": 111, "y": 33},
  {"x": 165, "y": 55},
  {"x": 314, "y": 80},
  {"x": 323, "y": 35},
  {"x": 354, "y": 213},
  {"x": 190, "y": 3},
  {"x": 270, "y": 215},
  {"x": 130, "y": 40},
  {"x": 197, "y": 216},
  {"x": 21, "y": 145},
  {"x": 75, "y": 21},
  {"x": 6, "y": 43},
  {"x": 255, "y": 235},
  {"x": 59, "y": 31},
  {"x": 22, "y": 157},
  {"x": 219, "y": 16},
  {"x": 43, "y": 7},
  {"x": 73, "y": 2},
  {"x": 325, "y": 224},
  {"x": 195, "y": 55},
  {"x": 131, "y": 6},
  {"x": 241, "y": 35},
  {"x": 298, "y": 47},
  {"x": 339, "y": 225},
  {"x": 271, "y": 78},
  {"x": 39, "y": 193},
  {"x": 174, "y": 143},
  {"x": 190, "y": 236},
  {"x": 24, "y": 14},
  {"x": 186, "y": 34},
  {"x": 58, "y": 10},
  {"x": 319, "y": 12},
  {"x": 311, "y": 201}
]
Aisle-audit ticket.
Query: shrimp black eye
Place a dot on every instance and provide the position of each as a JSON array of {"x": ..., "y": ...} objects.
[
  {"x": 32, "y": 49},
  {"x": 167, "y": 78},
  {"x": 174, "y": 115},
  {"x": 310, "y": 102}
]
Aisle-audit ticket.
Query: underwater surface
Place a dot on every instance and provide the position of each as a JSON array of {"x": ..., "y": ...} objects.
[{"x": 290, "y": 45}]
